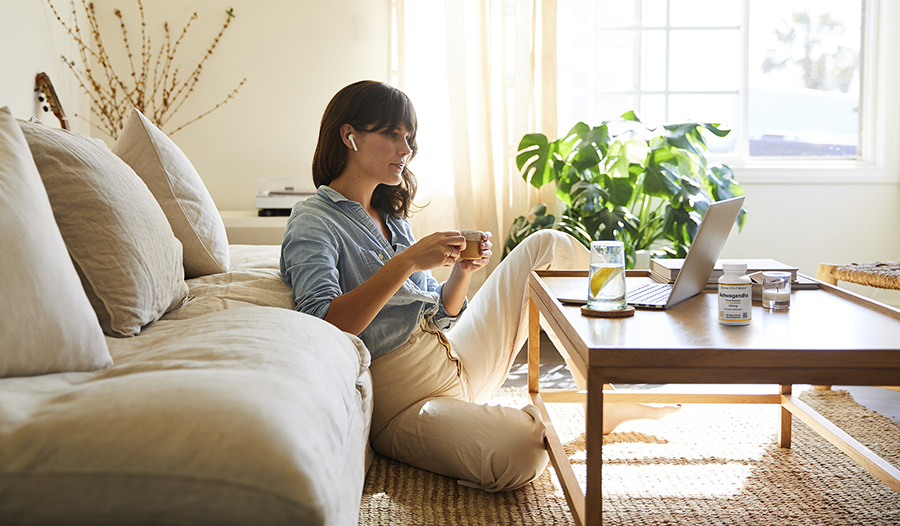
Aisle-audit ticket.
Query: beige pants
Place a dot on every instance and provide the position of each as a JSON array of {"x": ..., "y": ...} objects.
[{"x": 430, "y": 392}]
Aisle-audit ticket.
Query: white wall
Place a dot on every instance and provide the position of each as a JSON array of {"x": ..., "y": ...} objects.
[
  {"x": 829, "y": 223},
  {"x": 32, "y": 41},
  {"x": 294, "y": 54},
  {"x": 297, "y": 54}
]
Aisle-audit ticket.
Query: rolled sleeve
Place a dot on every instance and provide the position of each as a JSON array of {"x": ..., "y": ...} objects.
[
  {"x": 309, "y": 264},
  {"x": 443, "y": 319}
]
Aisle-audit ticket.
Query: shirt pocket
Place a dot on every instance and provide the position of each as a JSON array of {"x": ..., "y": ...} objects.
[{"x": 373, "y": 260}]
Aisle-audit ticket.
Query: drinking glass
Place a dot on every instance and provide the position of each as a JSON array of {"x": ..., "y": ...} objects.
[
  {"x": 776, "y": 294},
  {"x": 606, "y": 281}
]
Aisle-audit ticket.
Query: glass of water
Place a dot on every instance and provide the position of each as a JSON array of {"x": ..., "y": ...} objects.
[
  {"x": 776, "y": 294},
  {"x": 606, "y": 282}
]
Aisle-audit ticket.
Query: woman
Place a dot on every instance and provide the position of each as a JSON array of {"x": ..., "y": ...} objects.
[{"x": 350, "y": 257}]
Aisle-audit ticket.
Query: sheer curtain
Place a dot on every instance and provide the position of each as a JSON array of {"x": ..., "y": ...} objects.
[{"x": 481, "y": 74}]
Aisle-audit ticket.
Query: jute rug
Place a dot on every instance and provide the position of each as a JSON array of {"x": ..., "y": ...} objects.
[{"x": 705, "y": 465}]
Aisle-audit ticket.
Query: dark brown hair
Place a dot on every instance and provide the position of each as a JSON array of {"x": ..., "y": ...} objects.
[{"x": 367, "y": 106}]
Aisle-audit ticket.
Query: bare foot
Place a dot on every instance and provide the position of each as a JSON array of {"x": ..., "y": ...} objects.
[{"x": 615, "y": 414}]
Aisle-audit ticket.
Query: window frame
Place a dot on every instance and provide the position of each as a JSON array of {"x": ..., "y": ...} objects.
[
  {"x": 879, "y": 116},
  {"x": 879, "y": 113}
]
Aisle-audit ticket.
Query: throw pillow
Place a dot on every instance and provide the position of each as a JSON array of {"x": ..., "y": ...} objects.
[
  {"x": 129, "y": 262},
  {"x": 46, "y": 321},
  {"x": 180, "y": 192}
]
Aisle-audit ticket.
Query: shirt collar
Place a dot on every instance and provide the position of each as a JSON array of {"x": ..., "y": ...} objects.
[{"x": 331, "y": 193}]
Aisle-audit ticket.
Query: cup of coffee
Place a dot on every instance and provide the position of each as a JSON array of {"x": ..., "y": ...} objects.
[{"x": 473, "y": 244}]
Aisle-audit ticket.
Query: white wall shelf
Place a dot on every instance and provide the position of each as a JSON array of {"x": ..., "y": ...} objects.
[{"x": 246, "y": 227}]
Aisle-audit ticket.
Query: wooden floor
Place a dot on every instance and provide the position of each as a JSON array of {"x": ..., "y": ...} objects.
[{"x": 555, "y": 375}]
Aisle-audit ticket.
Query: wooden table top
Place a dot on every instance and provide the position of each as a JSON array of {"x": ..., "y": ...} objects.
[{"x": 825, "y": 332}]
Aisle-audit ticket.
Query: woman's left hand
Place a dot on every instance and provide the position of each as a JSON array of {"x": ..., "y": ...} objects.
[{"x": 471, "y": 265}]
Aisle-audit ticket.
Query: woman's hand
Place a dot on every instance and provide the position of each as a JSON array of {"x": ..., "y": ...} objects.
[
  {"x": 440, "y": 249},
  {"x": 471, "y": 265}
]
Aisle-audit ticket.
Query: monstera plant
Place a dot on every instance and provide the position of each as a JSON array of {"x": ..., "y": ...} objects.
[{"x": 648, "y": 188}]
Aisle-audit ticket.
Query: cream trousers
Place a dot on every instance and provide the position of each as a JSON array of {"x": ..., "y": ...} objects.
[{"x": 430, "y": 392}]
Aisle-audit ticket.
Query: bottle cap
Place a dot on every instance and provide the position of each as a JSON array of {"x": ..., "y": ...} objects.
[{"x": 734, "y": 267}]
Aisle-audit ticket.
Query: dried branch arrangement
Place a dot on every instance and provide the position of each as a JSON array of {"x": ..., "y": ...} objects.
[{"x": 156, "y": 86}]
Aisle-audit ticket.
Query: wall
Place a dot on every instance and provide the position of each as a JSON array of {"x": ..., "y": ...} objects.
[
  {"x": 294, "y": 54},
  {"x": 297, "y": 54},
  {"x": 32, "y": 41}
]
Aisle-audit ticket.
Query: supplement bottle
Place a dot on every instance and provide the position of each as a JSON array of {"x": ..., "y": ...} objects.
[{"x": 735, "y": 295}]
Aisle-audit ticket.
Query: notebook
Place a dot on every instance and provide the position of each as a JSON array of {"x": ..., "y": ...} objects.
[{"x": 698, "y": 264}]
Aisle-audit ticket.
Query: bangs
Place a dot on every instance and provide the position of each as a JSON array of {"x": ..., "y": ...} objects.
[{"x": 389, "y": 111}]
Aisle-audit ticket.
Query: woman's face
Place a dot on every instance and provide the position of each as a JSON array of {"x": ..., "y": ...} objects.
[{"x": 383, "y": 153}]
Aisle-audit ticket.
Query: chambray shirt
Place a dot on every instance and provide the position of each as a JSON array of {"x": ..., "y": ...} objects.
[{"x": 331, "y": 246}]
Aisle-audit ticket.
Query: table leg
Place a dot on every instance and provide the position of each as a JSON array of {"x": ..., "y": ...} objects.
[
  {"x": 594, "y": 444},
  {"x": 534, "y": 346},
  {"x": 784, "y": 427}
]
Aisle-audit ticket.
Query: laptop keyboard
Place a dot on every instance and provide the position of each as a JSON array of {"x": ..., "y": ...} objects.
[{"x": 650, "y": 293}]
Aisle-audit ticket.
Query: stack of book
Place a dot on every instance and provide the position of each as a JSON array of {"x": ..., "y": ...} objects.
[{"x": 666, "y": 270}]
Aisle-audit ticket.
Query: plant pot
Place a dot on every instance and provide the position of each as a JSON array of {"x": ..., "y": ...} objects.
[{"x": 642, "y": 260}]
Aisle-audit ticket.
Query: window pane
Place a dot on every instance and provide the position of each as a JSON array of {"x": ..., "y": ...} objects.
[
  {"x": 705, "y": 60},
  {"x": 654, "y": 13},
  {"x": 705, "y": 13},
  {"x": 617, "y": 13},
  {"x": 722, "y": 109},
  {"x": 618, "y": 57},
  {"x": 653, "y": 110},
  {"x": 613, "y": 106},
  {"x": 804, "y": 78},
  {"x": 653, "y": 61}
]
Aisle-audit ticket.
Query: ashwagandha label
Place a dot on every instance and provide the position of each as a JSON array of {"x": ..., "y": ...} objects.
[{"x": 734, "y": 302}]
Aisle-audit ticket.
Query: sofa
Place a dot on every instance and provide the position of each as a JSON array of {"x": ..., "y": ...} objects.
[{"x": 151, "y": 373}]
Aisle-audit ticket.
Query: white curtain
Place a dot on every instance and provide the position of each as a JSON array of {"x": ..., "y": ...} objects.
[{"x": 481, "y": 74}]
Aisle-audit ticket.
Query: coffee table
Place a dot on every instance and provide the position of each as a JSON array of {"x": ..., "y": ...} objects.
[{"x": 828, "y": 336}]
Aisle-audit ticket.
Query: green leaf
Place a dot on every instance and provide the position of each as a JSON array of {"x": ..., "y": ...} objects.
[
  {"x": 588, "y": 196},
  {"x": 660, "y": 181},
  {"x": 679, "y": 137},
  {"x": 534, "y": 159},
  {"x": 681, "y": 226},
  {"x": 620, "y": 191},
  {"x": 586, "y": 156},
  {"x": 630, "y": 115}
]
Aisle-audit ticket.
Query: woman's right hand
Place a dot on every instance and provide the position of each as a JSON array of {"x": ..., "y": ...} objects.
[{"x": 440, "y": 249}]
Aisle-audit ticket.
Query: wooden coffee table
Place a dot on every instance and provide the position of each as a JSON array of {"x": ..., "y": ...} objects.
[{"x": 828, "y": 336}]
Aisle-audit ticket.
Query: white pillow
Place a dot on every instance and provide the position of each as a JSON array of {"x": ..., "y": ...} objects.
[
  {"x": 129, "y": 262},
  {"x": 180, "y": 192},
  {"x": 47, "y": 324}
]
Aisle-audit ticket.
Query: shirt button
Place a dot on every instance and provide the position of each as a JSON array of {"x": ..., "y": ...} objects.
[{"x": 380, "y": 256}]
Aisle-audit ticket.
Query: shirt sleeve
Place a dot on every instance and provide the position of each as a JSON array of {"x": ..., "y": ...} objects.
[
  {"x": 309, "y": 255},
  {"x": 442, "y": 319}
]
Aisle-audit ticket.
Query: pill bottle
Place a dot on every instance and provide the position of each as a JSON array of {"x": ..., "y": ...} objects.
[{"x": 735, "y": 294}]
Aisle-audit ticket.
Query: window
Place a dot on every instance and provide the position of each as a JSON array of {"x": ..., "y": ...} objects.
[{"x": 786, "y": 76}]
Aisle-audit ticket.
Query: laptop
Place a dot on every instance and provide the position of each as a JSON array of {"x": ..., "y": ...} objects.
[
  {"x": 698, "y": 264},
  {"x": 695, "y": 271}
]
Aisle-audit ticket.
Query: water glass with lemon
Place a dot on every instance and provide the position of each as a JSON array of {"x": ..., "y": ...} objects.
[{"x": 606, "y": 283}]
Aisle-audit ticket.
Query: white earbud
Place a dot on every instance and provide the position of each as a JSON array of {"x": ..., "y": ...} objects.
[{"x": 353, "y": 142}]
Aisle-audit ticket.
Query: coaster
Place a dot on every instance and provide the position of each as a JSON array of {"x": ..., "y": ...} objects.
[{"x": 623, "y": 313}]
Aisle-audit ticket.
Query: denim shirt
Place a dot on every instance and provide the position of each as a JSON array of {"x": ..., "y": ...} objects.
[{"x": 332, "y": 246}]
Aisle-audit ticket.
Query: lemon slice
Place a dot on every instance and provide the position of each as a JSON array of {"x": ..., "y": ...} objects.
[{"x": 603, "y": 276}]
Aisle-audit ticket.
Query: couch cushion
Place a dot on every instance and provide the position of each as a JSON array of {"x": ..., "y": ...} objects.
[
  {"x": 180, "y": 192},
  {"x": 252, "y": 415},
  {"x": 129, "y": 262},
  {"x": 253, "y": 278},
  {"x": 46, "y": 321}
]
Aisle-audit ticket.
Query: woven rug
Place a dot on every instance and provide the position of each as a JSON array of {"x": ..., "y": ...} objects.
[{"x": 705, "y": 465}]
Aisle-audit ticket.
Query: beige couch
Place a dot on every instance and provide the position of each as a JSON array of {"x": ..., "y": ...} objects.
[{"x": 150, "y": 372}]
